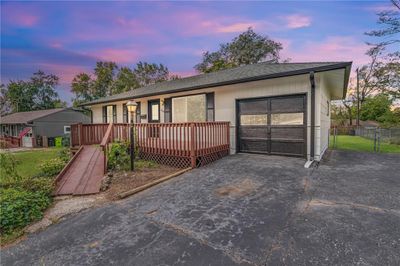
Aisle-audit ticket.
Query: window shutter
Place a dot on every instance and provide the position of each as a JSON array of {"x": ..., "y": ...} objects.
[
  {"x": 168, "y": 110},
  {"x": 104, "y": 114},
  {"x": 114, "y": 114},
  {"x": 210, "y": 108},
  {"x": 124, "y": 113},
  {"x": 138, "y": 113}
]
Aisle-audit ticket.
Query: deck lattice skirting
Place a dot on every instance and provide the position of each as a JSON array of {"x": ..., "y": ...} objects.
[{"x": 179, "y": 145}]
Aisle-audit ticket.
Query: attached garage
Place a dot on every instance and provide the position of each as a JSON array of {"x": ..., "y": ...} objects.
[
  {"x": 273, "y": 125},
  {"x": 279, "y": 109}
]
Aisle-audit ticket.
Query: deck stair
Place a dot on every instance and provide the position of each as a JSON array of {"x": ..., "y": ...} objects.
[{"x": 84, "y": 173}]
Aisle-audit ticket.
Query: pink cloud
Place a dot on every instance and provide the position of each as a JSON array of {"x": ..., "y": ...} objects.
[
  {"x": 125, "y": 55},
  {"x": 237, "y": 27},
  {"x": 296, "y": 21},
  {"x": 66, "y": 73},
  {"x": 24, "y": 19},
  {"x": 56, "y": 45},
  {"x": 334, "y": 48}
]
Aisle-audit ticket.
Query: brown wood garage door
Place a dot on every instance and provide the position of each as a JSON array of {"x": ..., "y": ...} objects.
[{"x": 274, "y": 125}]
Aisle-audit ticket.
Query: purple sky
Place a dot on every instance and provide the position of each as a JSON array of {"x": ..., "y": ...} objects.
[{"x": 66, "y": 38}]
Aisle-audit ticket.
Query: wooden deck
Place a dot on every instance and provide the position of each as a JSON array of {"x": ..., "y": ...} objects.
[
  {"x": 177, "y": 144},
  {"x": 83, "y": 176}
]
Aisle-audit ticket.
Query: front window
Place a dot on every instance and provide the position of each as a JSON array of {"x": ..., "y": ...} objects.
[{"x": 189, "y": 109}]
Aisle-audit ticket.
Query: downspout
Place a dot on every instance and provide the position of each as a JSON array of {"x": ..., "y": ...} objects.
[{"x": 310, "y": 162}]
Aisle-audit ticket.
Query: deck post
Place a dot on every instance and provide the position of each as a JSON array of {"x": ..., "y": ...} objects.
[
  {"x": 192, "y": 146},
  {"x": 80, "y": 134}
]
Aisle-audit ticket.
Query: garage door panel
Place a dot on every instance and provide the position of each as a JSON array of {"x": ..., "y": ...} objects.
[
  {"x": 287, "y": 133},
  {"x": 253, "y": 131},
  {"x": 253, "y": 107},
  {"x": 274, "y": 125},
  {"x": 287, "y": 147},
  {"x": 287, "y": 105},
  {"x": 254, "y": 145}
]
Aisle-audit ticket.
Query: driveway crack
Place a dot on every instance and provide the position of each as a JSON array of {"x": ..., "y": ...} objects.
[{"x": 233, "y": 255}]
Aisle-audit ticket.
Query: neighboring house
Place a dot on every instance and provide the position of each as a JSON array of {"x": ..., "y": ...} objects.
[
  {"x": 31, "y": 126},
  {"x": 278, "y": 109}
]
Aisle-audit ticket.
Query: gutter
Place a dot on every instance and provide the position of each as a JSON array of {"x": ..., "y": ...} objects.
[
  {"x": 345, "y": 65},
  {"x": 310, "y": 161}
]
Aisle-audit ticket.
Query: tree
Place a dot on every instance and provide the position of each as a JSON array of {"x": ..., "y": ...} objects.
[
  {"x": 125, "y": 80},
  {"x": 386, "y": 70},
  {"x": 43, "y": 90},
  {"x": 38, "y": 93},
  {"x": 109, "y": 79},
  {"x": 81, "y": 86},
  {"x": 105, "y": 74},
  {"x": 247, "y": 48},
  {"x": 390, "y": 22},
  {"x": 378, "y": 108},
  {"x": 148, "y": 74}
]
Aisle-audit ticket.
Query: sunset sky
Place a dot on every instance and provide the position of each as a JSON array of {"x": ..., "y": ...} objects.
[{"x": 65, "y": 38}]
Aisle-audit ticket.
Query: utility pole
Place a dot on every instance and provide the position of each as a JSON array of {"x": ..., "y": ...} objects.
[{"x": 358, "y": 99}]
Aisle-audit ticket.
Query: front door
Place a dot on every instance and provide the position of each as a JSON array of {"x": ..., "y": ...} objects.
[
  {"x": 274, "y": 125},
  {"x": 154, "y": 111},
  {"x": 27, "y": 139}
]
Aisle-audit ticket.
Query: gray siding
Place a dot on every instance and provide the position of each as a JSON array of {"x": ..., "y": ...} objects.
[{"x": 53, "y": 125}]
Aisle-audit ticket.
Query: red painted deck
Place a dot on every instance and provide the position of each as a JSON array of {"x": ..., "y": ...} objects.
[{"x": 84, "y": 174}]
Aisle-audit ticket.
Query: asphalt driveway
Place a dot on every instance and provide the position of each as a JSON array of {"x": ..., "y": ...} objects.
[{"x": 244, "y": 209}]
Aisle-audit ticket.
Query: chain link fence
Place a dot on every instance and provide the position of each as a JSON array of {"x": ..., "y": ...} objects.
[{"x": 375, "y": 138}]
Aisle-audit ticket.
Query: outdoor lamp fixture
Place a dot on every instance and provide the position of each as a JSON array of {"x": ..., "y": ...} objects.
[{"x": 131, "y": 106}]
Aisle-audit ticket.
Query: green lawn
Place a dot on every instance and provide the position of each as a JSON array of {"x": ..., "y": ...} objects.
[
  {"x": 356, "y": 143},
  {"x": 28, "y": 161}
]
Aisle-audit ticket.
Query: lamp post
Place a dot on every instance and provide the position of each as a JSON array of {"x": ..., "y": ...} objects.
[{"x": 131, "y": 106}]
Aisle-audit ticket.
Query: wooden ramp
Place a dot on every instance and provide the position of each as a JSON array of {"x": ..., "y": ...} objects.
[{"x": 84, "y": 174}]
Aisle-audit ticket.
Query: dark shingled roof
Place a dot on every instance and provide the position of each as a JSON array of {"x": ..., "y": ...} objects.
[
  {"x": 241, "y": 74},
  {"x": 26, "y": 117}
]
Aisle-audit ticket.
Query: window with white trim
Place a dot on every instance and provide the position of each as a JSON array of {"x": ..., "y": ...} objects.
[{"x": 67, "y": 129}]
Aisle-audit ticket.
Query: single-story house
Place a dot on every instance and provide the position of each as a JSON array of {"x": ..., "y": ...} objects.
[
  {"x": 281, "y": 109},
  {"x": 30, "y": 126}
]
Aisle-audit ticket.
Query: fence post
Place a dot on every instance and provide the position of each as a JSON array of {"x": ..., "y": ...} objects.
[
  {"x": 379, "y": 139},
  {"x": 334, "y": 137},
  {"x": 192, "y": 146},
  {"x": 375, "y": 140}
]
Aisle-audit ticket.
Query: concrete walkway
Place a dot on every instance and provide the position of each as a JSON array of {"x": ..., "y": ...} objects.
[{"x": 241, "y": 210}]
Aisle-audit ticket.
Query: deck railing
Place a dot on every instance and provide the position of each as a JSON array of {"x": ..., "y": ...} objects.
[
  {"x": 11, "y": 141},
  {"x": 177, "y": 144}
]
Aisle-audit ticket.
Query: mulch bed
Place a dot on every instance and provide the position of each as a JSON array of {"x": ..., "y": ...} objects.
[{"x": 125, "y": 180}]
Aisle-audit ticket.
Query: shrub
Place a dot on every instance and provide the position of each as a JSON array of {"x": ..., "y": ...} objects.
[
  {"x": 8, "y": 168},
  {"x": 51, "y": 167},
  {"x": 42, "y": 184},
  {"x": 64, "y": 155},
  {"x": 118, "y": 157},
  {"x": 66, "y": 140},
  {"x": 18, "y": 208}
]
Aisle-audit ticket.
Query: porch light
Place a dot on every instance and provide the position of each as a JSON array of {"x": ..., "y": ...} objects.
[{"x": 131, "y": 105}]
